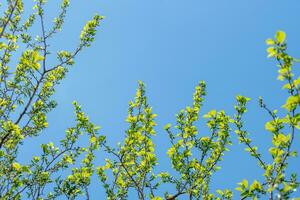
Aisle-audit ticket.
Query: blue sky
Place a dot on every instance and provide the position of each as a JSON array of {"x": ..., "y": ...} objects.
[{"x": 171, "y": 46}]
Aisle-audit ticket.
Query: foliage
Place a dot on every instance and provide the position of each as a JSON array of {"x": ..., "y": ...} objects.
[
  {"x": 135, "y": 159},
  {"x": 25, "y": 100},
  {"x": 64, "y": 170}
]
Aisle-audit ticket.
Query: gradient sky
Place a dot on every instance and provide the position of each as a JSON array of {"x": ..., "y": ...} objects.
[{"x": 171, "y": 46}]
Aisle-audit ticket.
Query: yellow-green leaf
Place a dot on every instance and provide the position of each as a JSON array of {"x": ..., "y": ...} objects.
[
  {"x": 16, "y": 166},
  {"x": 280, "y": 37},
  {"x": 270, "y": 41}
]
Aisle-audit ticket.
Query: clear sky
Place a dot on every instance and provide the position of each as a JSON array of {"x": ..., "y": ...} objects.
[{"x": 171, "y": 46}]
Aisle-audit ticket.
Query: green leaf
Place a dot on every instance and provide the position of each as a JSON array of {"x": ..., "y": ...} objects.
[
  {"x": 16, "y": 166},
  {"x": 271, "y": 51},
  {"x": 292, "y": 102},
  {"x": 280, "y": 37},
  {"x": 167, "y": 126},
  {"x": 269, "y": 126},
  {"x": 270, "y": 41}
]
